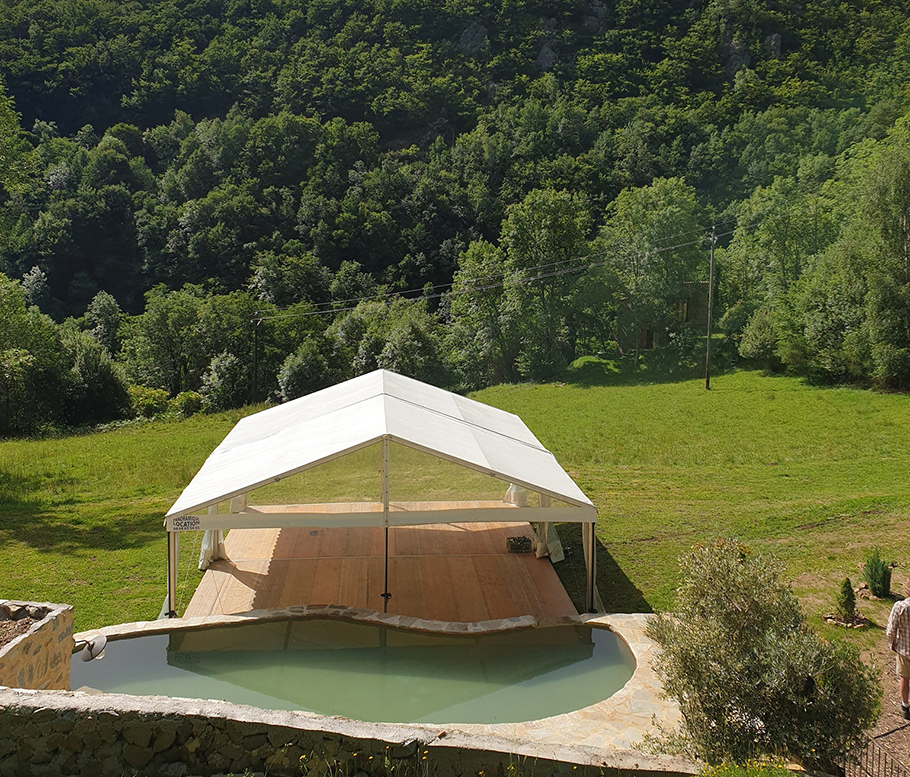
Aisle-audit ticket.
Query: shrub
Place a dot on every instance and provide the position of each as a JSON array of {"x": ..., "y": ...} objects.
[
  {"x": 759, "y": 339},
  {"x": 147, "y": 402},
  {"x": 750, "y": 677},
  {"x": 846, "y": 602},
  {"x": 877, "y": 573},
  {"x": 186, "y": 403},
  {"x": 96, "y": 389}
]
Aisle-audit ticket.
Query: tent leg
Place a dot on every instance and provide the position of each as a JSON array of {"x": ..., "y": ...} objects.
[
  {"x": 590, "y": 563},
  {"x": 172, "y": 540},
  {"x": 385, "y": 519}
]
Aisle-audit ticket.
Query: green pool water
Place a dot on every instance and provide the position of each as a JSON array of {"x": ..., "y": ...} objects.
[{"x": 370, "y": 672}]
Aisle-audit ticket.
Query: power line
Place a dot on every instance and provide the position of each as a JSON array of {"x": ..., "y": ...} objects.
[
  {"x": 514, "y": 279},
  {"x": 424, "y": 288}
]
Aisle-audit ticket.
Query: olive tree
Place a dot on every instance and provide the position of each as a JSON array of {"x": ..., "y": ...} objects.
[{"x": 750, "y": 677}]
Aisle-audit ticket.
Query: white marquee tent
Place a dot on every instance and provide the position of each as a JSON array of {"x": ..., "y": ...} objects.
[{"x": 380, "y": 407}]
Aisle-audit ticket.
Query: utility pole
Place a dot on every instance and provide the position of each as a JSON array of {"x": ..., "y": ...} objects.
[
  {"x": 710, "y": 304},
  {"x": 255, "y": 321}
]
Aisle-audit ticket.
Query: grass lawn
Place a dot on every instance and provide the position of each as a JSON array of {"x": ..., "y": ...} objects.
[{"x": 816, "y": 475}]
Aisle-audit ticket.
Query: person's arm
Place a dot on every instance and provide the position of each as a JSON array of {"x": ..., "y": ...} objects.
[{"x": 891, "y": 631}]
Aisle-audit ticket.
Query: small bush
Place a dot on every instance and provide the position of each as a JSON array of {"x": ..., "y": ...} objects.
[
  {"x": 147, "y": 402},
  {"x": 846, "y": 602},
  {"x": 877, "y": 573},
  {"x": 186, "y": 403}
]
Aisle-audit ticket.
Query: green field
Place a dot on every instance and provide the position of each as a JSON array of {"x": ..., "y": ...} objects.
[{"x": 816, "y": 475}]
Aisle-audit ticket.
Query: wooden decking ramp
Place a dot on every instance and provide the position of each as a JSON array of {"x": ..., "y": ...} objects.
[{"x": 448, "y": 572}]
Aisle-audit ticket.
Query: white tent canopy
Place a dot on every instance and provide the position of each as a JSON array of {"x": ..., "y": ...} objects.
[{"x": 380, "y": 407}]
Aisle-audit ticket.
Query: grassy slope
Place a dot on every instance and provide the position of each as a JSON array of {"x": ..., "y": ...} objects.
[
  {"x": 82, "y": 516},
  {"x": 816, "y": 475}
]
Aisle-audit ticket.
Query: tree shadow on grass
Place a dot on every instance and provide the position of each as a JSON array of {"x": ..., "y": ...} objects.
[
  {"x": 654, "y": 368},
  {"x": 618, "y": 592},
  {"x": 67, "y": 526}
]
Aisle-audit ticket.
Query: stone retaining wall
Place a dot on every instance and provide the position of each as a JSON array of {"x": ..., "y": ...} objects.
[
  {"x": 50, "y": 732},
  {"x": 107, "y": 735},
  {"x": 40, "y": 658}
]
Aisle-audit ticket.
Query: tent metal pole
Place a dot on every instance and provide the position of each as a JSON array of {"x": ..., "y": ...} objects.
[
  {"x": 172, "y": 539},
  {"x": 385, "y": 519},
  {"x": 590, "y": 562},
  {"x": 385, "y": 586}
]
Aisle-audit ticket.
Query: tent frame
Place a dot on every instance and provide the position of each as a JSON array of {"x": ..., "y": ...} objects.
[
  {"x": 243, "y": 516},
  {"x": 378, "y": 407}
]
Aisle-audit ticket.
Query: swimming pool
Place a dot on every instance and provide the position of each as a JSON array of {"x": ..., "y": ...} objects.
[{"x": 371, "y": 672}]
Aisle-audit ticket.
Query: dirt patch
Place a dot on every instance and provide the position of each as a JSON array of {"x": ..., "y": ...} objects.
[{"x": 9, "y": 630}]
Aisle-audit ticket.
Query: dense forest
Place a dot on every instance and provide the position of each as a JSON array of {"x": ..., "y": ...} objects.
[{"x": 210, "y": 202}]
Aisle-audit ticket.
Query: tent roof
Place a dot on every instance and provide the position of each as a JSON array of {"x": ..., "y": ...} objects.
[{"x": 290, "y": 438}]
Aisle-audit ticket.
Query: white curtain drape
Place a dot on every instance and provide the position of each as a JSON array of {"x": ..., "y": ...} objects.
[
  {"x": 548, "y": 543},
  {"x": 212, "y": 542}
]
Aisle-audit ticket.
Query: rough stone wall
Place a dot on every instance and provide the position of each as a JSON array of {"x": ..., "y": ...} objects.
[
  {"x": 40, "y": 658},
  {"x": 56, "y": 733}
]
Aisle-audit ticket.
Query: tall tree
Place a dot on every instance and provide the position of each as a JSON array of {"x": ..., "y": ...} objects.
[
  {"x": 654, "y": 243},
  {"x": 545, "y": 241}
]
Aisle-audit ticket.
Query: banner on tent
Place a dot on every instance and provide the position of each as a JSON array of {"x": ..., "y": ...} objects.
[{"x": 183, "y": 523}]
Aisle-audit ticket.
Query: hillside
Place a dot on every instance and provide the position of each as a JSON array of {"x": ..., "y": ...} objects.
[{"x": 214, "y": 192}]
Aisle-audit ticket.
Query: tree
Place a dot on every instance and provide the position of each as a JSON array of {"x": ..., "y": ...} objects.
[
  {"x": 399, "y": 335},
  {"x": 224, "y": 383},
  {"x": 652, "y": 242},
  {"x": 482, "y": 337},
  {"x": 303, "y": 372},
  {"x": 162, "y": 347},
  {"x": 31, "y": 364},
  {"x": 544, "y": 238},
  {"x": 288, "y": 276},
  {"x": 102, "y": 320},
  {"x": 15, "y": 154},
  {"x": 750, "y": 677}
]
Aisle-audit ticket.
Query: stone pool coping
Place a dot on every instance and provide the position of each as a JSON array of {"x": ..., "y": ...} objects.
[{"x": 613, "y": 726}]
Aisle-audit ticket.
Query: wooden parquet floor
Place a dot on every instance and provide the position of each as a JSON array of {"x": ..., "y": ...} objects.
[{"x": 448, "y": 572}]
